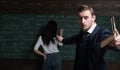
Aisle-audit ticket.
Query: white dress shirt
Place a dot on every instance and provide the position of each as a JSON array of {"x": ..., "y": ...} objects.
[{"x": 92, "y": 28}]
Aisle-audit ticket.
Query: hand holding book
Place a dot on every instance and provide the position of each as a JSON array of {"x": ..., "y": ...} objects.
[{"x": 114, "y": 39}]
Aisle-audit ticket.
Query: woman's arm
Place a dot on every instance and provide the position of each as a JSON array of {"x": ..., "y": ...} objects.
[
  {"x": 36, "y": 47},
  {"x": 40, "y": 53}
]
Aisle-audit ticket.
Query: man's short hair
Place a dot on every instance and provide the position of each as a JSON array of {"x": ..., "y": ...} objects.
[{"x": 85, "y": 7}]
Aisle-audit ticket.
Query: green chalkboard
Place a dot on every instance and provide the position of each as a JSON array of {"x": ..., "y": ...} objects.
[{"x": 19, "y": 33}]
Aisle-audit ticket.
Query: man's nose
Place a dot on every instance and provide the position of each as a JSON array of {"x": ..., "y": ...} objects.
[{"x": 83, "y": 20}]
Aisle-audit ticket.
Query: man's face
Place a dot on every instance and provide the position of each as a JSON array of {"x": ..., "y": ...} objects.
[{"x": 86, "y": 19}]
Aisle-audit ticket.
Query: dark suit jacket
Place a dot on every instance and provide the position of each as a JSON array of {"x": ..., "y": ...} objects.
[{"x": 89, "y": 55}]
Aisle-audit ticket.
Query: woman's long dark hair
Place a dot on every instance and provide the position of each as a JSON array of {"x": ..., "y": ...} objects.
[{"x": 49, "y": 32}]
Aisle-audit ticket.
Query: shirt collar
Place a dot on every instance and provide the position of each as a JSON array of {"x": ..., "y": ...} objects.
[{"x": 92, "y": 28}]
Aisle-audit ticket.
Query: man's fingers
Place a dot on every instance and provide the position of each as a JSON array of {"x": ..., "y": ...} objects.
[
  {"x": 61, "y": 32},
  {"x": 116, "y": 33}
]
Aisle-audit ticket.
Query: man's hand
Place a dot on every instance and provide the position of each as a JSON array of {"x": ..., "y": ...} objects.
[
  {"x": 59, "y": 37},
  {"x": 116, "y": 41}
]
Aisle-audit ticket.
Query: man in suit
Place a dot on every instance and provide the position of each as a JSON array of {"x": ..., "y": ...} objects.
[{"x": 89, "y": 54}]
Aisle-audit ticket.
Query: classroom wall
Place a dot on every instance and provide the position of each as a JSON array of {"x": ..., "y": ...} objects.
[
  {"x": 54, "y": 7},
  {"x": 19, "y": 32},
  {"x": 102, "y": 7}
]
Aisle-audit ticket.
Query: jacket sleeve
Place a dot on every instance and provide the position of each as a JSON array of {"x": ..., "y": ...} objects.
[{"x": 71, "y": 40}]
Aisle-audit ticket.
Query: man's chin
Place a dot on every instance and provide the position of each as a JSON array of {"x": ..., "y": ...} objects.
[{"x": 84, "y": 29}]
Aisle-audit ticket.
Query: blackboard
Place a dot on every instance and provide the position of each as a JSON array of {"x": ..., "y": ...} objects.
[{"x": 19, "y": 33}]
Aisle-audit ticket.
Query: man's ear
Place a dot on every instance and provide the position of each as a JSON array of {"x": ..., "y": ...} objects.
[{"x": 94, "y": 18}]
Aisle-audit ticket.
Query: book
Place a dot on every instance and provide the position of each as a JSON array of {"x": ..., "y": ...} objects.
[{"x": 106, "y": 41}]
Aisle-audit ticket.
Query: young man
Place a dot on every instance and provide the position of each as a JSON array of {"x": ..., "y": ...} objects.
[{"x": 89, "y": 54}]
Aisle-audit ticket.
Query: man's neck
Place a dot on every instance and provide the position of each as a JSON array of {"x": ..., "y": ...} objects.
[{"x": 92, "y": 28}]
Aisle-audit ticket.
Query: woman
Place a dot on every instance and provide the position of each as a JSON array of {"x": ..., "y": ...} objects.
[{"x": 49, "y": 44}]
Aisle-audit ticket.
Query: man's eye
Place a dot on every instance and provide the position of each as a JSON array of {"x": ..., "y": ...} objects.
[
  {"x": 86, "y": 17},
  {"x": 80, "y": 18}
]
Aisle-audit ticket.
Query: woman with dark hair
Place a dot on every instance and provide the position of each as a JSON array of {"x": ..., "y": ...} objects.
[{"x": 49, "y": 44}]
